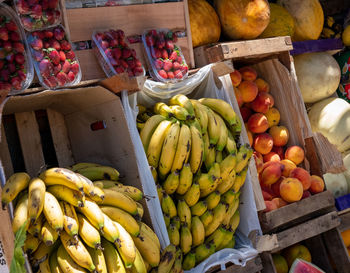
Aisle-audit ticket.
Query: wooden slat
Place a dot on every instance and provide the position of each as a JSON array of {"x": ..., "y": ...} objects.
[
  {"x": 5, "y": 156},
  {"x": 6, "y": 235},
  {"x": 29, "y": 137},
  {"x": 252, "y": 266},
  {"x": 60, "y": 138},
  {"x": 189, "y": 33},
  {"x": 345, "y": 221},
  {"x": 267, "y": 262}
]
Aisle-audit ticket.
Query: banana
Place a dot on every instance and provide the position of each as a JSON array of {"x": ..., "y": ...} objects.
[
  {"x": 42, "y": 253},
  {"x": 123, "y": 218},
  {"x": 206, "y": 191},
  {"x": 54, "y": 266},
  {"x": 166, "y": 219},
  {"x": 139, "y": 265},
  {"x": 168, "y": 206},
  {"x": 48, "y": 235},
  {"x": 220, "y": 145},
  {"x": 198, "y": 231},
  {"x": 148, "y": 267},
  {"x": 174, "y": 235},
  {"x": 183, "y": 148},
  {"x": 197, "y": 149},
  {"x": 228, "y": 197},
  {"x": 185, "y": 238},
  {"x": 119, "y": 200},
  {"x": 192, "y": 195},
  {"x": 93, "y": 213},
  {"x": 156, "y": 143},
  {"x": 154, "y": 174},
  {"x": 149, "y": 128},
  {"x": 77, "y": 251},
  {"x": 180, "y": 113},
  {"x": 162, "y": 109},
  {"x": 70, "y": 219},
  {"x": 126, "y": 246},
  {"x": 185, "y": 181},
  {"x": 213, "y": 199},
  {"x": 227, "y": 166},
  {"x": 66, "y": 263},
  {"x": 176, "y": 222},
  {"x": 36, "y": 197},
  {"x": 35, "y": 228},
  {"x": 207, "y": 218},
  {"x": 100, "y": 173},
  {"x": 231, "y": 243},
  {"x": 227, "y": 238},
  {"x": 53, "y": 212},
  {"x": 131, "y": 191},
  {"x": 206, "y": 181},
  {"x": 160, "y": 192},
  {"x": 140, "y": 210},
  {"x": 231, "y": 146},
  {"x": 89, "y": 233},
  {"x": 219, "y": 214},
  {"x": 167, "y": 259},
  {"x": 172, "y": 182},
  {"x": 30, "y": 244},
  {"x": 184, "y": 102},
  {"x": 234, "y": 221},
  {"x": 169, "y": 150},
  {"x": 245, "y": 152},
  {"x": 230, "y": 212},
  {"x": 218, "y": 157},
  {"x": 240, "y": 182},
  {"x": 144, "y": 116},
  {"x": 227, "y": 183},
  {"x": 87, "y": 184},
  {"x": 189, "y": 260},
  {"x": 213, "y": 128},
  {"x": 14, "y": 185},
  {"x": 222, "y": 108},
  {"x": 141, "y": 108},
  {"x": 20, "y": 214},
  {"x": 68, "y": 195},
  {"x": 144, "y": 229},
  {"x": 62, "y": 176},
  {"x": 97, "y": 194},
  {"x": 201, "y": 114},
  {"x": 199, "y": 208},
  {"x": 109, "y": 230},
  {"x": 177, "y": 267},
  {"x": 203, "y": 251},
  {"x": 98, "y": 259},
  {"x": 113, "y": 260},
  {"x": 105, "y": 184},
  {"x": 83, "y": 165},
  {"x": 148, "y": 249},
  {"x": 44, "y": 267},
  {"x": 184, "y": 212},
  {"x": 217, "y": 237},
  {"x": 210, "y": 157}
]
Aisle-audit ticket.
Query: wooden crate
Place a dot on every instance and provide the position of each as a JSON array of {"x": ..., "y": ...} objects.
[
  {"x": 345, "y": 220},
  {"x": 252, "y": 266}
]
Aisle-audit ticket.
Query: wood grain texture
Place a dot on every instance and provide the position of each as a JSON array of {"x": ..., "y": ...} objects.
[
  {"x": 6, "y": 235},
  {"x": 345, "y": 220},
  {"x": 252, "y": 266},
  {"x": 267, "y": 262},
  {"x": 5, "y": 154}
]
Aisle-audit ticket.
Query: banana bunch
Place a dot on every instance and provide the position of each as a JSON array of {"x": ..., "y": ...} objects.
[
  {"x": 199, "y": 169},
  {"x": 81, "y": 219}
]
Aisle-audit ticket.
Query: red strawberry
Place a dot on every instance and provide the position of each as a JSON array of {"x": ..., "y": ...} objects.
[
  {"x": 130, "y": 72},
  {"x": 156, "y": 53},
  {"x": 70, "y": 55},
  {"x": 54, "y": 44},
  {"x": 138, "y": 71},
  {"x": 36, "y": 43},
  {"x": 65, "y": 45},
  {"x": 46, "y": 45},
  {"x": 2, "y": 63},
  {"x": 32, "y": 2},
  {"x": 163, "y": 74},
  {"x": 27, "y": 22},
  {"x": 11, "y": 26},
  {"x": 131, "y": 63},
  {"x": 45, "y": 68},
  {"x": 104, "y": 44},
  {"x": 74, "y": 68},
  {"x": 21, "y": 75},
  {"x": 184, "y": 69},
  {"x": 171, "y": 75},
  {"x": 58, "y": 33},
  {"x": 45, "y": 4},
  {"x": 62, "y": 78},
  {"x": 113, "y": 43},
  {"x": 121, "y": 34},
  {"x": 150, "y": 41},
  {"x": 7, "y": 46},
  {"x": 37, "y": 55},
  {"x": 133, "y": 53},
  {"x": 4, "y": 34},
  {"x": 117, "y": 53},
  {"x": 138, "y": 63},
  {"x": 57, "y": 15},
  {"x": 158, "y": 64},
  {"x": 71, "y": 76},
  {"x": 100, "y": 36},
  {"x": 161, "y": 41},
  {"x": 11, "y": 67},
  {"x": 174, "y": 37},
  {"x": 124, "y": 63},
  {"x": 176, "y": 66},
  {"x": 53, "y": 4},
  {"x": 66, "y": 67},
  {"x": 51, "y": 82},
  {"x": 16, "y": 83},
  {"x": 179, "y": 59},
  {"x": 126, "y": 53},
  {"x": 164, "y": 54},
  {"x": 14, "y": 36},
  {"x": 10, "y": 57},
  {"x": 22, "y": 7},
  {"x": 167, "y": 65},
  {"x": 38, "y": 34},
  {"x": 152, "y": 32},
  {"x": 48, "y": 34},
  {"x": 19, "y": 58},
  {"x": 169, "y": 45},
  {"x": 36, "y": 11},
  {"x": 5, "y": 75},
  {"x": 18, "y": 47},
  {"x": 119, "y": 69},
  {"x": 178, "y": 74},
  {"x": 62, "y": 56},
  {"x": 49, "y": 17},
  {"x": 173, "y": 56},
  {"x": 54, "y": 56},
  {"x": 57, "y": 69}
]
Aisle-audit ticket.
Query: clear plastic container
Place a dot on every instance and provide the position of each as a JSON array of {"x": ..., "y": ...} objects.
[
  {"x": 38, "y": 16},
  {"x": 164, "y": 55},
  {"x": 115, "y": 46},
  {"x": 54, "y": 71},
  {"x": 19, "y": 47}
]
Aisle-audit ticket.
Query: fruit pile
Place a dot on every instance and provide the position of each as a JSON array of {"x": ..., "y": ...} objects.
[
  {"x": 281, "y": 180},
  {"x": 55, "y": 61},
  {"x": 38, "y": 14},
  {"x": 165, "y": 56},
  {"x": 346, "y": 238},
  {"x": 73, "y": 224},
  {"x": 199, "y": 170},
  {"x": 110, "y": 47},
  {"x": 13, "y": 57}
]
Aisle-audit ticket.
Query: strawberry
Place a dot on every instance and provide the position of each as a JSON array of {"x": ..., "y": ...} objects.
[
  {"x": 48, "y": 34},
  {"x": 117, "y": 53},
  {"x": 113, "y": 43},
  {"x": 10, "y": 57},
  {"x": 53, "y": 4},
  {"x": 178, "y": 74},
  {"x": 4, "y": 34},
  {"x": 54, "y": 56},
  {"x": 62, "y": 78},
  {"x": 150, "y": 41},
  {"x": 27, "y": 22},
  {"x": 167, "y": 65},
  {"x": 32, "y": 2},
  {"x": 2, "y": 63},
  {"x": 55, "y": 44},
  {"x": 36, "y": 43},
  {"x": 18, "y": 47},
  {"x": 158, "y": 64},
  {"x": 179, "y": 59},
  {"x": 70, "y": 55},
  {"x": 65, "y": 45},
  {"x": 66, "y": 67},
  {"x": 5, "y": 86},
  {"x": 138, "y": 71},
  {"x": 100, "y": 36},
  {"x": 19, "y": 58},
  {"x": 108, "y": 53},
  {"x": 62, "y": 56},
  {"x": 133, "y": 53},
  {"x": 36, "y": 11},
  {"x": 45, "y": 4},
  {"x": 16, "y": 83},
  {"x": 21, "y": 75},
  {"x": 169, "y": 45},
  {"x": 7, "y": 46},
  {"x": 11, "y": 26},
  {"x": 74, "y": 68},
  {"x": 138, "y": 63},
  {"x": 14, "y": 36},
  {"x": 121, "y": 34},
  {"x": 156, "y": 53},
  {"x": 49, "y": 17},
  {"x": 173, "y": 56},
  {"x": 184, "y": 68},
  {"x": 12, "y": 68},
  {"x": 119, "y": 69},
  {"x": 5, "y": 75},
  {"x": 45, "y": 68},
  {"x": 171, "y": 75},
  {"x": 126, "y": 53},
  {"x": 51, "y": 82},
  {"x": 22, "y": 7},
  {"x": 131, "y": 63},
  {"x": 174, "y": 37},
  {"x": 124, "y": 63},
  {"x": 163, "y": 74},
  {"x": 152, "y": 32},
  {"x": 104, "y": 44},
  {"x": 130, "y": 72},
  {"x": 38, "y": 34},
  {"x": 71, "y": 76},
  {"x": 56, "y": 16},
  {"x": 164, "y": 54},
  {"x": 176, "y": 66},
  {"x": 37, "y": 55},
  {"x": 58, "y": 33},
  {"x": 57, "y": 69}
]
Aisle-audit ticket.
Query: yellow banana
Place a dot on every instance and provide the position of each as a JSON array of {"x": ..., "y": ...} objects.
[
  {"x": 207, "y": 218},
  {"x": 93, "y": 213},
  {"x": 218, "y": 157},
  {"x": 126, "y": 246},
  {"x": 197, "y": 149},
  {"x": 139, "y": 265},
  {"x": 14, "y": 185},
  {"x": 180, "y": 113},
  {"x": 192, "y": 195},
  {"x": 160, "y": 192},
  {"x": 54, "y": 266},
  {"x": 87, "y": 185},
  {"x": 210, "y": 157},
  {"x": 227, "y": 238},
  {"x": 182, "y": 101},
  {"x": 66, "y": 263},
  {"x": 213, "y": 128},
  {"x": 83, "y": 165},
  {"x": 123, "y": 218},
  {"x": 240, "y": 182},
  {"x": 144, "y": 229},
  {"x": 185, "y": 180},
  {"x": 42, "y": 253},
  {"x": 218, "y": 216},
  {"x": 230, "y": 244},
  {"x": 148, "y": 249},
  {"x": 174, "y": 235},
  {"x": 211, "y": 188},
  {"x": 227, "y": 166},
  {"x": 154, "y": 174},
  {"x": 141, "y": 108},
  {"x": 113, "y": 260},
  {"x": 231, "y": 146},
  {"x": 203, "y": 251},
  {"x": 205, "y": 181},
  {"x": 217, "y": 237},
  {"x": 109, "y": 230},
  {"x": 98, "y": 259},
  {"x": 171, "y": 182},
  {"x": 228, "y": 197},
  {"x": 167, "y": 259},
  {"x": 149, "y": 128},
  {"x": 89, "y": 233},
  {"x": 140, "y": 210},
  {"x": 131, "y": 191},
  {"x": 53, "y": 212},
  {"x": 156, "y": 143},
  {"x": 100, "y": 173},
  {"x": 189, "y": 260},
  {"x": 185, "y": 238},
  {"x": 168, "y": 206},
  {"x": 245, "y": 152},
  {"x": 200, "y": 208},
  {"x": 70, "y": 219},
  {"x": 77, "y": 251},
  {"x": 220, "y": 145},
  {"x": 144, "y": 116},
  {"x": 30, "y": 244},
  {"x": 20, "y": 216},
  {"x": 213, "y": 199},
  {"x": 162, "y": 109},
  {"x": 62, "y": 176},
  {"x": 177, "y": 267},
  {"x": 119, "y": 200},
  {"x": 183, "y": 148},
  {"x": 234, "y": 221},
  {"x": 105, "y": 184},
  {"x": 184, "y": 212},
  {"x": 176, "y": 222},
  {"x": 222, "y": 108},
  {"x": 198, "y": 231},
  {"x": 169, "y": 150},
  {"x": 35, "y": 228},
  {"x": 44, "y": 267},
  {"x": 166, "y": 219},
  {"x": 68, "y": 195},
  {"x": 227, "y": 183},
  {"x": 201, "y": 114},
  {"x": 36, "y": 198},
  {"x": 97, "y": 194},
  {"x": 230, "y": 212},
  {"x": 48, "y": 235}
]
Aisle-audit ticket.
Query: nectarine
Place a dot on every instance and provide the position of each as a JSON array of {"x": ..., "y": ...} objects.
[
  {"x": 295, "y": 154},
  {"x": 317, "y": 184},
  {"x": 248, "y": 73},
  {"x": 262, "y": 85},
  {"x": 271, "y": 156},
  {"x": 270, "y": 206},
  {"x": 263, "y": 143},
  {"x": 273, "y": 116},
  {"x": 246, "y": 113},
  {"x": 236, "y": 78},
  {"x": 303, "y": 176},
  {"x": 258, "y": 123},
  {"x": 288, "y": 167},
  {"x": 280, "y": 135},
  {"x": 249, "y": 90},
  {"x": 279, "y": 202},
  {"x": 238, "y": 95},
  {"x": 271, "y": 174},
  {"x": 291, "y": 189},
  {"x": 262, "y": 102}
]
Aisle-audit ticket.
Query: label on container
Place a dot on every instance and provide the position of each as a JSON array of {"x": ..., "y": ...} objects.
[{"x": 3, "y": 264}]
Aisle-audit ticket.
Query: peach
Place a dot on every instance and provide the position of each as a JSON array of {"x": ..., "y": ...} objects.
[
  {"x": 271, "y": 156},
  {"x": 279, "y": 202},
  {"x": 262, "y": 85},
  {"x": 288, "y": 167},
  {"x": 258, "y": 123},
  {"x": 238, "y": 95},
  {"x": 303, "y": 176},
  {"x": 270, "y": 99},
  {"x": 273, "y": 116},
  {"x": 291, "y": 189},
  {"x": 280, "y": 135},
  {"x": 249, "y": 91},
  {"x": 271, "y": 174},
  {"x": 246, "y": 113},
  {"x": 268, "y": 192},
  {"x": 236, "y": 78},
  {"x": 295, "y": 154},
  {"x": 263, "y": 143},
  {"x": 317, "y": 184},
  {"x": 275, "y": 187},
  {"x": 262, "y": 102},
  {"x": 266, "y": 196},
  {"x": 306, "y": 194},
  {"x": 270, "y": 206},
  {"x": 250, "y": 137},
  {"x": 278, "y": 150},
  {"x": 248, "y": 73}
]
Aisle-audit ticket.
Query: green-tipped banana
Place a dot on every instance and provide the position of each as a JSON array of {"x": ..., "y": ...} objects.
[
  {"x": 240, "y": 182},
  {"x": 201, "y": 114},
  {"x": 184, "y": 212},
  {"x": 213, "y": 128},
  {"x": 140, "y": 210},
  {"x": 228, "y": 197},
  {"x": 203, "y": 251},
  {"x": 113, "y": 260},
  {"x": 148, "y": 249},
  {"x": 200, "y": 208},
  {"x": 217, "y": 237},
  {"x": 230, "y": 212},
  {"x": 20, "y": 214},
  {"x": 167, "y": 259},
  {"x": 220, "y": 145},
  {"x": 213, "y": 199},
  {"x": 131, "y": 191},
  {"x": 168, "y": 206},
  {"x": 166, "y": 219},
  {"x": 105, "y": 184},
  {"x": 30, "y": 244},
  {"x": 83, "y": 165},
  {"x": 234, "y": 221},
  {"x": 162, "y": 109},
  {"x": 68, "y": 195},
  {"x": 182, "y": 101},
  {"x": 176, "y": 222},
  {"x": 66, "y": 263},
  {"x": 70, "y": 219},
  {"x": 221, "y": 107},
  {"x": 89, "y": 233},
  {"x": 189, "y": 260},
  {"x": 218, "y": 217},
  {"x": 197, "y": 149},
  {"x": 144, "y": 229},
  {"x": 14, "y": 185},
  {"x": 110, "y": 231},
  {"x": 149, "y": 128},
  {"x": 171, "y": 182},
  {"x": 100, "y": 173},
  {"x": 207, "y": 218},
  {"x": 62, "y": 176},
  {"x": 245, "y": 152},
  {"x": 119, "y": 200},
  {"x": 218, "y": 157},
  {"x": 36, "y": 198},
  {"x": 186, "y": 177},
  {"x": 183, "y": 148},
  {"x": 93, "y": 213},
  {"x": 198, "y": 231},
  {"x": 227, "y": 183},
  {"x": 180, "y": 113},
  {"x": 174, "y": 235},
  {"x": 231, "y": 146},
  {"x": 185, "y": 238},
  {"x": 139, "y": 265},
  {"x": 227, "y": 166},
  {"x": 98, "y": 259},
  {"x": 192, "y": 195},
  {"x": 227, "y": 238},
  {"x": 126, "y": 246},
  {"x": 177, "y": 267}
]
